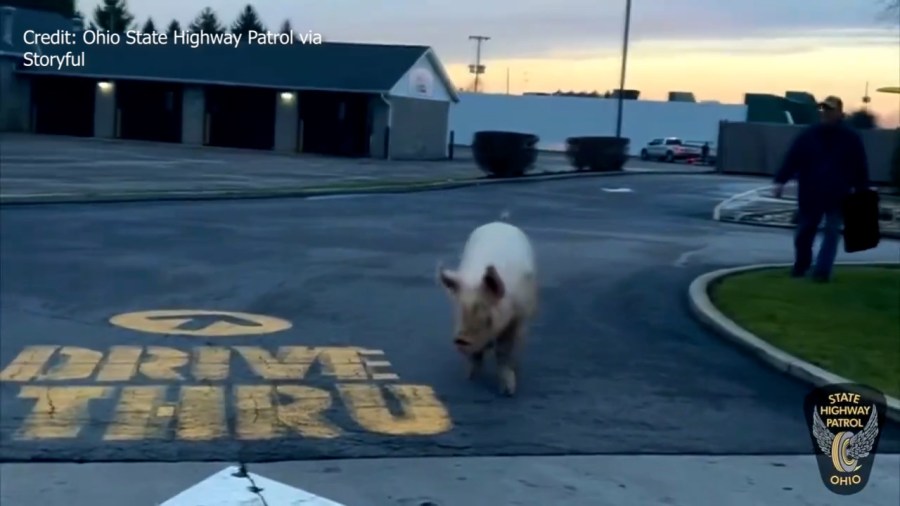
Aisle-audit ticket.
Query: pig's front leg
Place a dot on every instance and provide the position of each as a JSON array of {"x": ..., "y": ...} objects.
[
  {"x": 506, "y": 350},
  {"x": 475, "y": 362}
]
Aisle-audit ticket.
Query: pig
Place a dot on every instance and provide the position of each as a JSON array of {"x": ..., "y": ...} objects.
[{"x": 494, "y": 294}]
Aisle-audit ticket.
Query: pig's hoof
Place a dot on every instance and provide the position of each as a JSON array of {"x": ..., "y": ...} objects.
[{"x": 507, "y": 383}]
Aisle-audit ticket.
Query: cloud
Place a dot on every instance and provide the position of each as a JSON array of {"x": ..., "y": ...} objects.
[
  {"x": 540, "y": 28},
  {"x": 774, "y": 44}
]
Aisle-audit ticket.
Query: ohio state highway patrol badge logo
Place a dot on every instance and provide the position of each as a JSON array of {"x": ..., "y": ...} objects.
[{"x": 845, "y": 423}]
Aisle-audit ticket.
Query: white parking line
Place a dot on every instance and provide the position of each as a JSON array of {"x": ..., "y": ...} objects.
[
  {"x": 685, "y": 257},
  {"x": 717, "y": 211},
  {"x": 226, "y": 488}
]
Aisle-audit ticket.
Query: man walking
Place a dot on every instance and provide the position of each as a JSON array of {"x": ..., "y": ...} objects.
[{"x": 829, "y": 161}]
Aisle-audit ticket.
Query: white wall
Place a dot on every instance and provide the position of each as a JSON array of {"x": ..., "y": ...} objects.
[
  {"x": 553, "y": 119},
  {"x": 422, "y": 73}
]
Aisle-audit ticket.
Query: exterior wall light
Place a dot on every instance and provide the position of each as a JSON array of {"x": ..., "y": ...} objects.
[{"x": 287, "y": 96}]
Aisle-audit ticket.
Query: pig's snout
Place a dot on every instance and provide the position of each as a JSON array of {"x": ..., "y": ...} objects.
[
  {"x": 463, "y": 345},
  {"x": 471, "y": 346}
]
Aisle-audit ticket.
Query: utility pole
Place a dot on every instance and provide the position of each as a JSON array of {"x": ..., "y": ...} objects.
[
  {"x": 478, "y": 68},
  {"x": 624, "y": 63}
]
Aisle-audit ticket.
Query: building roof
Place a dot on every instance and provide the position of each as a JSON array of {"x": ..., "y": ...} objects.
[
  {"x": 372, "y": 68},
  {"x": 14, "y": 22},
  {"x": 328, "y": 66}
]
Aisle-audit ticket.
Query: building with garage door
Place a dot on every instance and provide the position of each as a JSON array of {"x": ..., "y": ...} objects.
[{"x": 360, "y": 100}]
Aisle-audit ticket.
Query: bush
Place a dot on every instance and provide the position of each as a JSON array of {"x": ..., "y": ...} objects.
[
  {"x": 504, "y": 154},
  {"x": 601, "y": 154}
]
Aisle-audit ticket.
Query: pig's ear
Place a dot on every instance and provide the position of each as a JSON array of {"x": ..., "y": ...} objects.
[
  {"x": 449, "y": 279},
  {"x": 492, "y": 282}
]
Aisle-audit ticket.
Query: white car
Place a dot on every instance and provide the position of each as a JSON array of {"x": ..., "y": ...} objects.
[{"x": 670, "y": 149}]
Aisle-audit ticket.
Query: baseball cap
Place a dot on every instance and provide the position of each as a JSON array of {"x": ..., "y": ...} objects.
[{"x": 832, "y": 102}]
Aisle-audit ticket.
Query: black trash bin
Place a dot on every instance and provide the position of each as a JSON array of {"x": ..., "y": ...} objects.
[
  {"x": 601, "y": 154},
  {"x": 505, "y": 154}
]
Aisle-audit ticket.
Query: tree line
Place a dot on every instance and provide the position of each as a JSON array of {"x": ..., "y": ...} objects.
[{"x": 114, "y": 16}]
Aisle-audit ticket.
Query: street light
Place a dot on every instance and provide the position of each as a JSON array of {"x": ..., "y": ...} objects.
[{"x": 624, "y": 62}]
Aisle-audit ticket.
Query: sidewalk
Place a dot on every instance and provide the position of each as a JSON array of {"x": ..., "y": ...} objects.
[
  {"x": 758, "y": 207},
  {"x": 645, "y": 480},
  {"x": 50, "y": 168}
]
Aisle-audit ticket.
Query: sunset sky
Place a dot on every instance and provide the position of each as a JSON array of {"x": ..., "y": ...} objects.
[{"x": 719, "y": 50}]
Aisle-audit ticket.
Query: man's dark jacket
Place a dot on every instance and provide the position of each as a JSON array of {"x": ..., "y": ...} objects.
[{"x": 828, "y": 160}]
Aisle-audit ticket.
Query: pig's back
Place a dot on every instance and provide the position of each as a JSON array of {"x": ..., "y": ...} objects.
[{"x": 508, "y": 249}]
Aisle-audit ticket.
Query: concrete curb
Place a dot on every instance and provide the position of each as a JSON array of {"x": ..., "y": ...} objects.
[
  {"x": 703, "y": 309},
  {"x": 717, "y": 211},
  {"x": 717, "y": 215},
  {"x": 787, "y": 226},
  {"x": 308, "y": 191}
]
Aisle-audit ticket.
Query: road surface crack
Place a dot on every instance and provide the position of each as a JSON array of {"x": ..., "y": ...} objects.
[
  {"x": 50, "y": 403},
  {"x": 243, "y": 473}
]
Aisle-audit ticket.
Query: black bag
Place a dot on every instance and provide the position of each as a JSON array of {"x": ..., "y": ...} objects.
[{"x": 861, "y": 228}]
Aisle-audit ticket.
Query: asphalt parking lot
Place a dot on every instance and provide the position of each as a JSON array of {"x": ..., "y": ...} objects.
[
  {"x": 624, "y": 398},
  {"x": 48, "y": 165},
  {"x": 44, "y": 163},
  {"x": 615, "y": 364}
]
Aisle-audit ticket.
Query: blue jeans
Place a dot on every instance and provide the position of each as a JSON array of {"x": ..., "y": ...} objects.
[{"x": 808, "y": 221}]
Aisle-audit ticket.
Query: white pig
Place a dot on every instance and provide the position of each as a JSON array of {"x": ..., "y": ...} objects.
[{"x": 494, "y": 293}]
